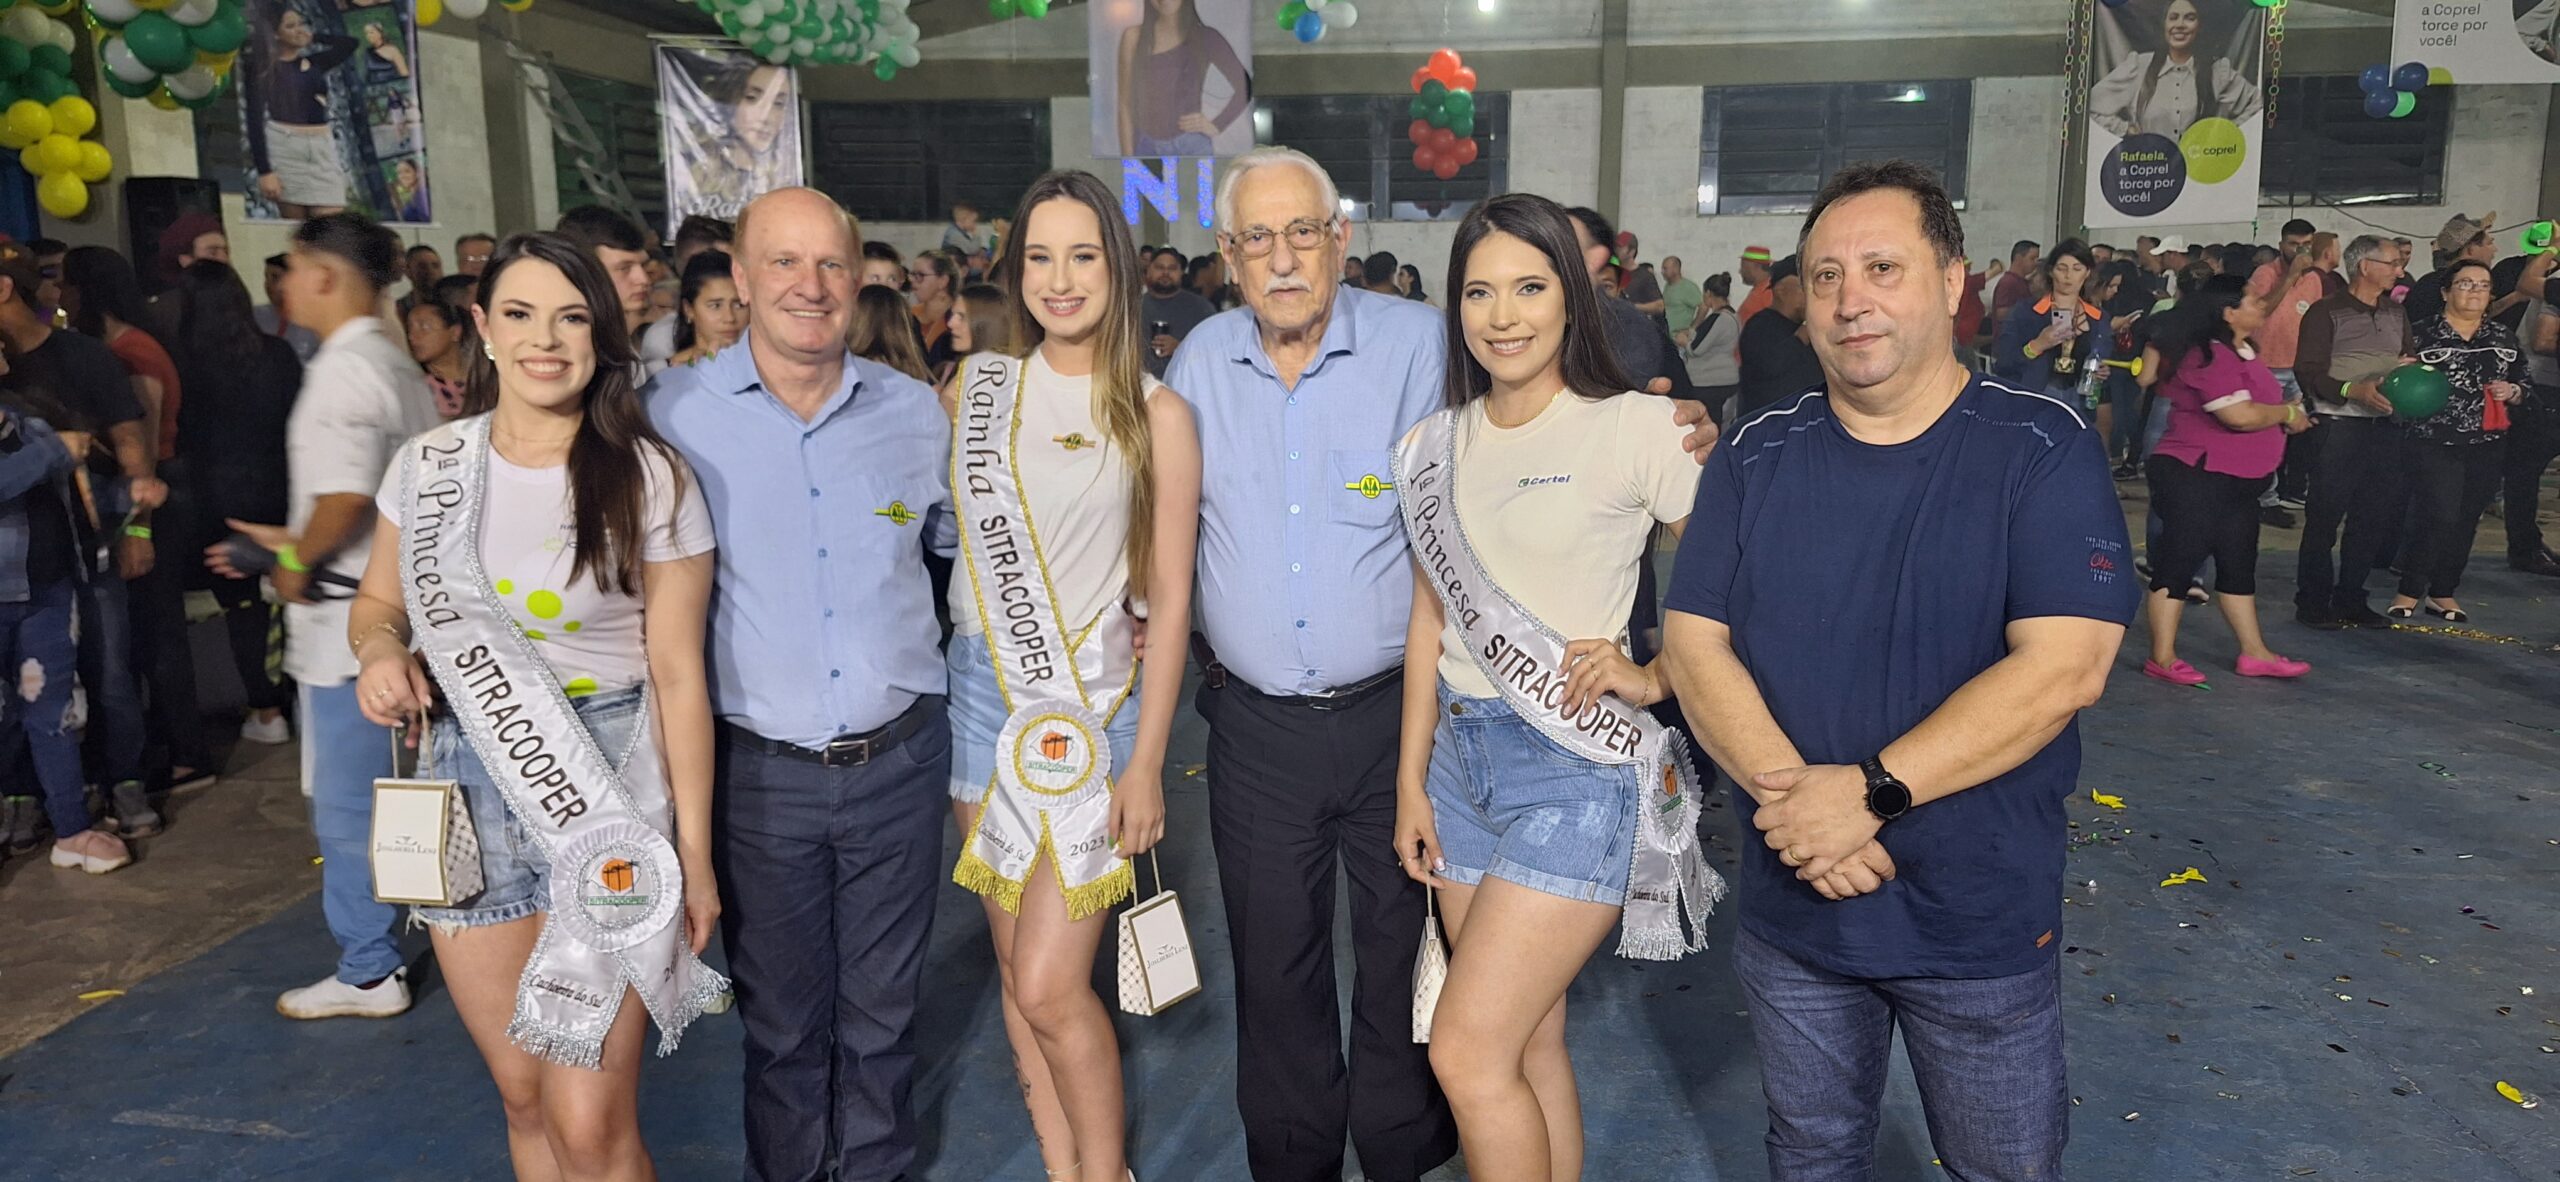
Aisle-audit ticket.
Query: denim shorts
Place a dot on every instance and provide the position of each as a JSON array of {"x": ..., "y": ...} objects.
[
  {"x": 1511, "y": 802},
  {"x": 977, "y": 716},
  {"x": 516, "y": 873}
]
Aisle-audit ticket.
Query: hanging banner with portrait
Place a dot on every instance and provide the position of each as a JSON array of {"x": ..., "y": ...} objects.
[
  {"x": 729, "y": 124},
  {"x": 2176, "y": 112},
  {"x": 1171, "y": 77},
  {"x": 329, "y": 111},
  {"x": 2463, "y": 42}
]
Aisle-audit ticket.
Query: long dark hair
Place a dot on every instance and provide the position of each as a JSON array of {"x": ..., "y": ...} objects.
[
  {"x": 608, "y": 475},
  {"x": 2197, "y": 323},
  {"x": 217, "y": 326},
  {"x": 1188, "y": 18},
  {"x": 883, "y": 330},
  {"x": 700, "y": 269},
  {"x": 2203, "y": 58},
  {"x": 107, "y": 287},
  {"x": 1589, "y": 368},
  {"x": 990, "y": 318}
]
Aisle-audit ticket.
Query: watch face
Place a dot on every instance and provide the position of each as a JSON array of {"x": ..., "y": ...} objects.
[{"x": 1889, "y": 799}]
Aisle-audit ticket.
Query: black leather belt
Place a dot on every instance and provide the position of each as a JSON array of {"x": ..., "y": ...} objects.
[
  {"x": 843, "y": 750},
  {"x": 1215, "y": 676}
]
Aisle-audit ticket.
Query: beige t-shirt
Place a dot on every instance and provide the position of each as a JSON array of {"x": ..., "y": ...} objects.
[{"x": 1559, "y": 509}]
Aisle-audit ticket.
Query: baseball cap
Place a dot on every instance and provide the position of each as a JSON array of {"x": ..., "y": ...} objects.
[
  {"x": 2459, "y": 232},
  {"x": 2174, "y": 244},
  {"x": 1782, "y": 269},
  {"x": 1626, "y": 240},
  {"x": 1755, "y": 254}
]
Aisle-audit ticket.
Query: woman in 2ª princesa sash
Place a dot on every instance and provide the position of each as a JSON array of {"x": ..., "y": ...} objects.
[
  {"x": 549, "y": 560},
  {"x": 1077, "y": 483},
  {"x": 1535, "y": 793}
]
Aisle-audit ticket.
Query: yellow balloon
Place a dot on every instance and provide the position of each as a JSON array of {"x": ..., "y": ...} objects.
[
  {"x": 12, "y": 141},
  {"x": 29, "y": 120},
  {"x": 56, "y": 153},
  {"x": 154, "y": 5},
  {"x": 63, "y": 195},
  {"x": 430, "y": 11},
  {"x": 217, "y": 62},
  {"x": 73, "y": 116},
  {"x": 31, "y": 160},
  {"x": 96, "y": 163},
  {"x": 515, "y": 5},
  {"x": 163, "y": 100}
]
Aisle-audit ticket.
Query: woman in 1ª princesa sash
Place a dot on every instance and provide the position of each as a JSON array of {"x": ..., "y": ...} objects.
[
  {"x": 1076, "y": 478},
  {"x": 1535, "y": 792},
  {"x": 549, "y": 560}
]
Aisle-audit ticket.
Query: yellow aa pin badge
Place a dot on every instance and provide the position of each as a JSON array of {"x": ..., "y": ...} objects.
[
  {"x": 1370, "y": 486},
  {"x": 897, "y": 513}
]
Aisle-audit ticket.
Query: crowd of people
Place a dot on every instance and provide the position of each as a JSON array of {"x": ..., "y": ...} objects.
[{"x": 1258, "y": 458}]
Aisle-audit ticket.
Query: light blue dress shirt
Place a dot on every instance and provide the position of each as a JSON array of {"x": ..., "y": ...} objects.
[
  {"x": 822, "y": 618},
  {"x": 1304, "y": 582}
]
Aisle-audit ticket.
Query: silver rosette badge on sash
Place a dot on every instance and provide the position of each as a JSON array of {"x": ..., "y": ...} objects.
[
  {"x": 1670, "y": 888},
  {"x": 1052, "y": 791},
  {"x": 617, "y": 888}
]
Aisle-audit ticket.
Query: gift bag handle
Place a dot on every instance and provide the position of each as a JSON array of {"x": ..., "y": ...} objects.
[
  {"x": 1158, "y": 869},
  {"x": 425, "y": 763}
]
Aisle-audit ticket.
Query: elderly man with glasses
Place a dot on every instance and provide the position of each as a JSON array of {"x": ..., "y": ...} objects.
[
  {"x": 2349, "y": 341},
  {"x": 1305, "y": 591}
]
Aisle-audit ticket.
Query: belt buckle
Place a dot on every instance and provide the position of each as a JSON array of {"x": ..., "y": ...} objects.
[{"x": 845, "y": 753}]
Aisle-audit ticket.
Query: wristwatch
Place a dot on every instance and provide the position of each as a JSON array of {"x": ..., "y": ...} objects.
[{"x": 1887, "y": 797}]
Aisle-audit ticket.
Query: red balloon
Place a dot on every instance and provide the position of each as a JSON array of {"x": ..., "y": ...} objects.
[
  {"x": 1443, "y": 141},
  {"x": 1421, "y": 76},
  {"x": 1466, "y": 153},
  {"x": 1424, "y": 159},
  {"x": 1419, "y": 132},
  {"x": 1463, "y": 79},
  {"x": 1446, "y": 170},
  {"x": 1445, "y": 61}
]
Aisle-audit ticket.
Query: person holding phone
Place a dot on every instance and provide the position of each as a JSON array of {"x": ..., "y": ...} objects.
[
  {"x": 2046, "y": 347},
  {"x": 1171, "y": 311}
]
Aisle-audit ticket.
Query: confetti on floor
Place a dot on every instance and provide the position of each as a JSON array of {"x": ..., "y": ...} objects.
[
  {"x": 2113, "y": 802},
  {"x": 2190, "y": 874},
  {"x": 101, "y": 994}
]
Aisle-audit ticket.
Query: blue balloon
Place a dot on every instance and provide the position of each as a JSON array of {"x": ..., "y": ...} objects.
[
  {"x": 2379, "y": 103},
  {"x": 2411, "y": 76},
  {"x": 2375, "y": 79},
  {"x": 1310, "y": 27}
]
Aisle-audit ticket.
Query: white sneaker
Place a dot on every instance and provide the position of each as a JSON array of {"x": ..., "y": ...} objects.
[
  {"x": 94, "y": 851},
  {"x": 332, "y": 998},
  {"x": 273, "y": 732}
]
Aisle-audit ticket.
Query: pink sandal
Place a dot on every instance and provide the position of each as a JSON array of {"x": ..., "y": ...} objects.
[
  {"x": 2281, "y": 666},
  {"x": 2175, "y": 672}
]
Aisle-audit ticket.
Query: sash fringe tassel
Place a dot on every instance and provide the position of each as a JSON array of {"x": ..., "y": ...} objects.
[{"x": 552, "y": 1045}]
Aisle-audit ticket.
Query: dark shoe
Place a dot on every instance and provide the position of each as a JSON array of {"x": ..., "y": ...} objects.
[
  {"x": 2274, "y": 515},
  {"x": 2197, "y": 595},
  {"x": 2361, "y": 616},
  {"x": 134, "y": 815},
  {"x": 2128, "y": 470},
  {"x": 2453, "y": 615},
  {"x": 2541, "y": 562},
  {"x": 2312, "y": 617},
  {"x": 18, "y": 818}
]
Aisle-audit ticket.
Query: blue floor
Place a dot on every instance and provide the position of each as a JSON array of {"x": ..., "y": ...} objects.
[{"x": 2337, "y": 1000}]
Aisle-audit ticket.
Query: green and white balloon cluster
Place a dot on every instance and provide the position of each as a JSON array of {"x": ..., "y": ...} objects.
[
  {"x": 822, "y": 32},
  {"x": 174, "y": 53}
]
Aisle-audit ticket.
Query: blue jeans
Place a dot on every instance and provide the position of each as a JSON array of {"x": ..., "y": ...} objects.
[
  {"x": 106, "y": 670},
  {"x": 978, "y": 716},
  {"x": 2125, "y": 394},
  {"x": 342, "y": 755},
  {"x": 515, "y": 870},
  {"x": 1987, "y": 1054},
  {"x": 827, "y": 880},
  {"x": 37, "y": 639},
  {"x": 1510, "y": 802},
  {"x": 1189, "y": 143}
]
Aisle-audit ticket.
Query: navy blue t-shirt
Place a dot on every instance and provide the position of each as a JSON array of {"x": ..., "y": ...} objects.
[{"x": 1864, "y": 585}]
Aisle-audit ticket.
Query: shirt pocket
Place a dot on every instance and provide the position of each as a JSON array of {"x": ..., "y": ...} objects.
[{"x": 1362, "y": 488}]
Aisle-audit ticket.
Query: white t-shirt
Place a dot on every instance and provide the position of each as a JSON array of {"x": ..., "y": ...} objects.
[
  {"x": 1077, "y": 485},
  {"x": 591, "y": 636},
  {"x": 362, "y": 397},
  {"x": 1560, "y": 508}
]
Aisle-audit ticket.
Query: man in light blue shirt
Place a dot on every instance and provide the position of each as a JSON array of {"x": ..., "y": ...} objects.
[{"x": 825, "y": 475}]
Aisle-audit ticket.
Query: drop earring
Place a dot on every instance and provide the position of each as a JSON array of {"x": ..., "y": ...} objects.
[{"x": 488, "y": 350}]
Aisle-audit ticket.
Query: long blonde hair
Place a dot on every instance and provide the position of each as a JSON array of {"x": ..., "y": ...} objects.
[{"x": 1119, "y": 376}]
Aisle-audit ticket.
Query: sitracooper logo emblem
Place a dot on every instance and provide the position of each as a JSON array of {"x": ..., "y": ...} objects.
[
  {"x": 1370, "y": 486},
  {"x": 1073, "y": 441},
  {"x": 897, "y": 513}
]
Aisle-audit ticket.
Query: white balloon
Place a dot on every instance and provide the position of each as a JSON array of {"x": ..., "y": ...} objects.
[
  {"x": 189, "y": 12},
  {"x": 59, "y": 32},
  {"x": 466, "y": 9},
  {"x": 1340, "y": 13},
  {"x": 194, "y": 82},
  {"x": 26, "y": 26},
  {"x": 906, "y": 55},
  {"x": 1317, "y": 5},
  {"x": 750, "y": 17},
  {"x": 120, "y": 61},
  {"x": 115, "y": 12}
]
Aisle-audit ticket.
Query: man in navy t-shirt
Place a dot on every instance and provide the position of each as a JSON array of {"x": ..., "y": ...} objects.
[{"x": 1893, "y": 596}]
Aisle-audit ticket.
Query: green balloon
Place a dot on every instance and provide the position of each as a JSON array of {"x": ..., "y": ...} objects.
[
  {"x": 131, "y": 90},
  {"x": 43, "y": 85},
  {"x": 159, "y": 42},
  {"x": 1437, "y": 116},
  {"x": 1461, "y": 104},
  {"x": 1000, "y": 9},
  {"x": 223, "y": 33},
  {"x": 2404, "y": 103},
  {"x": 1417, "y": 109},
  {"x": 886, "y": 69},
  {"x": 1435, "y": 92},
  {"x": 1037, "y": 10},
  {"x": 1289, "y": 14},
  {"x": 13, "y": 58},
  {"x": 51, "y": 58},
  {"x": 8, "y": 93},
  {"x": 2416, "y": 391},
  {"x": 1463, "y": 127}
]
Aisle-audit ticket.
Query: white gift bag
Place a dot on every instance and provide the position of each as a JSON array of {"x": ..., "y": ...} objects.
[
  {"x": 1156, "y": 965},
  {"x": 425, "y": 850},
  {"x": 1430, "y": 967}
]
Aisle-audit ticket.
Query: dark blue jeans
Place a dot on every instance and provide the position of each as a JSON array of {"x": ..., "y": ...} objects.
[
  {"x": 41, "y": 656},
  {"x": 107, "y": 672},
  {"x": 1987, "y": 1054},
  {"x": 827, "y": 879}
]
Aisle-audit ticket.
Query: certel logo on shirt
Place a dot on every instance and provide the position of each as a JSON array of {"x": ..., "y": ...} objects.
[
  {"x": 1370, "y": 486},
  {"x": 897, "y": 513},
  {"x": 1073, "y": 441},
  {"x": 1541, "y": 481}
]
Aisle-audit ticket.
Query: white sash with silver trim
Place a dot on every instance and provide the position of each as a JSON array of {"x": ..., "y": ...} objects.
[
  {"x": 617, "y": 887},
  {"x": 1052, "y": 790},
  {"x": 1517, "y": 652}
]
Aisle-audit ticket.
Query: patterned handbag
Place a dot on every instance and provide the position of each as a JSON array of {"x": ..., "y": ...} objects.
[
  {"x": 425, "y": 850},
  {"x": 1430, "y": 967},
  {"x": 1156, "y": 965}
]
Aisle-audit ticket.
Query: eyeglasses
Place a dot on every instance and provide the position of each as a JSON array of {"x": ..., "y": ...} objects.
[
  {"x": 2469, "y": 285},
  {"x": 1304, "y": 235}
]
